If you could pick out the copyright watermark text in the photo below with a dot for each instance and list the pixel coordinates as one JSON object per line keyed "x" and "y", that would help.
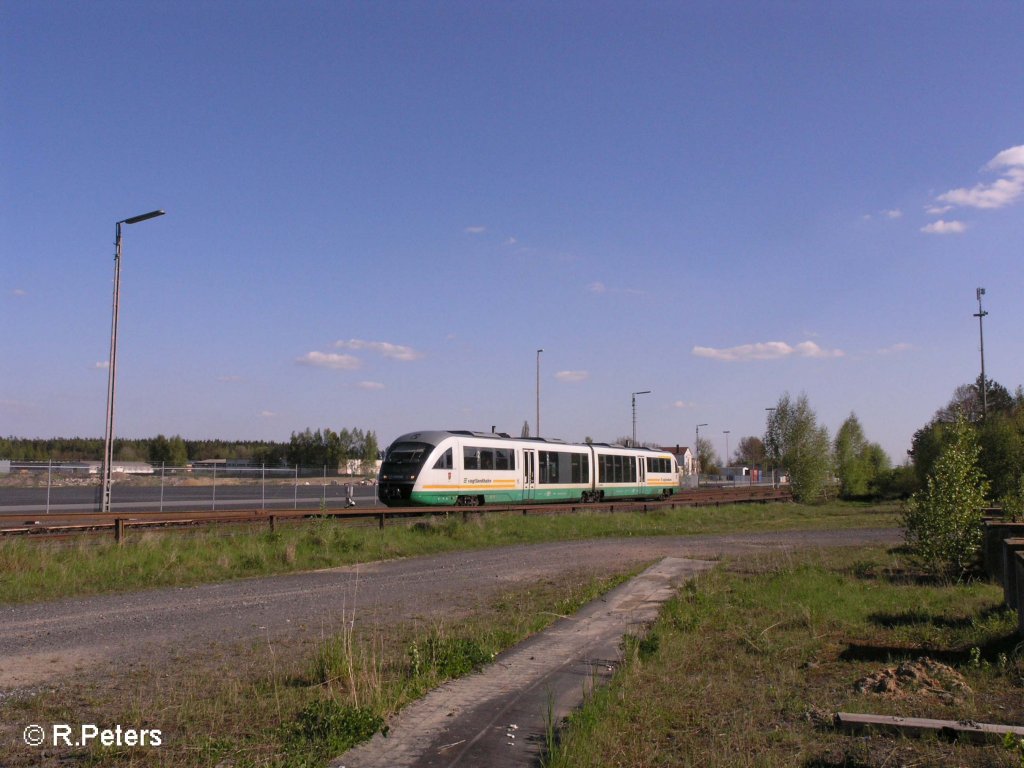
{"x": 87, "y": 734}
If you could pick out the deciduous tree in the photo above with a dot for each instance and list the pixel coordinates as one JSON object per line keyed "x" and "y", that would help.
{"x": 943, "y": 520}
{"x": 750, "y": 452}
{"x": 857, "y": 462}
{"x": 796, "y": 443}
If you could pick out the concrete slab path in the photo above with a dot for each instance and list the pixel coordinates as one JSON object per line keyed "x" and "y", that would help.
{"x": 499, "y": 716}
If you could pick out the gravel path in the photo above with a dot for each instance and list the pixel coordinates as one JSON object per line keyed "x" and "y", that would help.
{"x": 499, "y": 716}
{"x": 45, "y": 642}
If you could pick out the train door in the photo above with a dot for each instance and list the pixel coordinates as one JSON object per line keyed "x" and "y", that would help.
{"x": 641, "y": 474}
{"x": 529, "y": 474}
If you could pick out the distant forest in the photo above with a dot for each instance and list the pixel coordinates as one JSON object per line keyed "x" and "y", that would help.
{"x": 309, "y": 448}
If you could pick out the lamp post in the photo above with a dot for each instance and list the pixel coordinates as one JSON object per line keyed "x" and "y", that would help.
{"x": 108, "y": 441}
{"x": 645, "y": 392}
{"x": 726, "y": 433}
{"x": 981, "y": 335}
{"x": 696, "y": 452}
{"x": 538, "y": 391}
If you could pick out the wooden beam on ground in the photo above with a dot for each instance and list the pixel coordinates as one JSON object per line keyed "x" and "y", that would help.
{"x": 978, "y": 733}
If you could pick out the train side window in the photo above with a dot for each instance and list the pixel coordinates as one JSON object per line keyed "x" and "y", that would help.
{"x": 470, "y": 458}
{"x": 663, "y": 466}
{"x": 504, "y": 458}
{"x": 486, "y": 459}
{"x": 444, "y": 461}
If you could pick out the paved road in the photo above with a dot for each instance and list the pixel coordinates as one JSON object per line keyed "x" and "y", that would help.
{"x": 76, "y": 499}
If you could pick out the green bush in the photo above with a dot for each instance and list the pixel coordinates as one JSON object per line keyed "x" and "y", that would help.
{"x": 943, "y": 520}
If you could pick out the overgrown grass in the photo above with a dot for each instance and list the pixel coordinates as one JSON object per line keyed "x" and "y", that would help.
{"x": 268, "y": 706}
{"x": 41, "y": 570}
{"x": 746, "y": 666}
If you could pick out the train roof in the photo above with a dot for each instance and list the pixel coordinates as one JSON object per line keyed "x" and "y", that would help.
{"x": 437, "y": 435}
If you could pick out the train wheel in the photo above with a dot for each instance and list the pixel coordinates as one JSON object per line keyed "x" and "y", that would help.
{"x": 468, "y": 501}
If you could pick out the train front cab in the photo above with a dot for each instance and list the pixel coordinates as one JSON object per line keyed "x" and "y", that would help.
{"x": 403, "y": 464}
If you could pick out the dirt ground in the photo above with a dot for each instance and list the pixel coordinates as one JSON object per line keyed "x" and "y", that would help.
{"x": 75, "y": 644}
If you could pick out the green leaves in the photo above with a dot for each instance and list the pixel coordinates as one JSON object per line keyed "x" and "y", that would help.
{"x": 796, "y": 443}
{"x": 943, "y": 521}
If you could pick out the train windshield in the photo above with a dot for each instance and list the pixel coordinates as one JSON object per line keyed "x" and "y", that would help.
{"x": 406, "y": 455}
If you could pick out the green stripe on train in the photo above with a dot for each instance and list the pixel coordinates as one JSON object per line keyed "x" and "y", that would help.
{"x": 515, "y": 496}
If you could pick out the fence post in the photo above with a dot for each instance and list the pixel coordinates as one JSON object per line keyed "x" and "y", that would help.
{"x": 263, "y": 489}
{"x": 273, "y": 523}
{"x": 215, "y": 487}
{"x": 163, "y": 469}
{"x": 380, "y": 521}
{"x": 49, "y": 473}
{"x": 296, "y": 487}
{"x": 119, "y": 530}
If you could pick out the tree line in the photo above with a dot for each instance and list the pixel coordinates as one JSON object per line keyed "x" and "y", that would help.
{"x": 997, "y": 429}
{"x": 795, "y": 444}
{"x": 322, "y": 447}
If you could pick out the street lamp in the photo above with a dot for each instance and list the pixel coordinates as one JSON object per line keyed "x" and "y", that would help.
{"x": 645, "y": 392}
{"x": 696, "y": 452}
{"x": 538, "y": 391}
{"x": 771, "y": 412}
{"x": 108, "y": 441}
{"x": 726, "y": 433}
{"x": 981, "y": 335}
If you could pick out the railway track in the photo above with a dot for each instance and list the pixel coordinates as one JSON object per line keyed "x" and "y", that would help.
{"x": 119, "y": 523}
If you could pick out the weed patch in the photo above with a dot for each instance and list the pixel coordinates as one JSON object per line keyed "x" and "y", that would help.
{"x": 749, "y": 663}
{"x": 47, "y": 570}
{"x": 324, "y": 728}
{"x": 266, "y": 706}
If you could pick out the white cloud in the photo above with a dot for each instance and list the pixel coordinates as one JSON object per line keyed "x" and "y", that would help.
{"x": 370, "y": 385}
{"x": 767, "y": 350}
{"x": 597, "y": 287}
{"x": 942, "y": 227}
{"x": 19, "y": 292}
{"x": 683, "y": 404}
{"x": 475, "y": 230}
{"x": 894, "y": 349}
{"x": 572, "y": 376}
{"x": 330, "y": 360}
{"x": 998, "y": 194}
{"x": 394, "y": 351}
{"x": 1008, "y": 158}
{"x": 267, "y": 414}
{"x": 894, "y": 213}
{"x": 810, "y": 349}
{"x": 102, "y": 365}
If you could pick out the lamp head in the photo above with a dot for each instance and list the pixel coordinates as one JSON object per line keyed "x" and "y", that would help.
{"x": 142, "y": 217}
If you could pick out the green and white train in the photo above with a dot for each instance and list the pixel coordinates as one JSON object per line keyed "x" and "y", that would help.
{"x": 471, "y": 468}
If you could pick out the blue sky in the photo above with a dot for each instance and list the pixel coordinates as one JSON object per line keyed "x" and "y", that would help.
{"x": 378, "y": 212}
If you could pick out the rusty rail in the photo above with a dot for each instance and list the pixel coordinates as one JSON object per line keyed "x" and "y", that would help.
{"x": 27, "y": 525}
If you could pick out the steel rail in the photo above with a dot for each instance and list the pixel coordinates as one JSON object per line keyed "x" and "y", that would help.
{"x": 24, "y": 525}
